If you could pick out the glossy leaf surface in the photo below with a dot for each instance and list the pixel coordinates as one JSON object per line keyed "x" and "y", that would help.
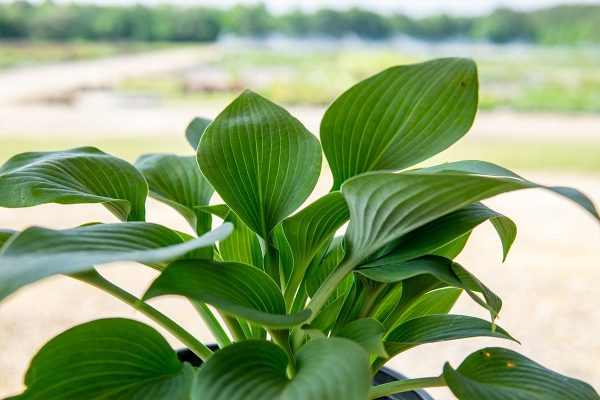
{"x": 331, "y": 368}
{"x": 399, "y": 117}
{"x": 261, "y": 160}
{"x": 82, "y": 175}
{"x": 238, "y": 289}
{"x": 117, "y": 359}
{"x": 37, "y": 253}
{"x": 498, "y": 374}
{"x": 177, "y": 182}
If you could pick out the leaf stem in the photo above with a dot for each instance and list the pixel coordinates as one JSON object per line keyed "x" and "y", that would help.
{"x": 95, "y": 279}
{"x": 212, "y": 324}
{"x": 321, "y": 296}
{"x": 271, "y": 263}
{"x": 234, "y": 327}
{"x": 405, "y": 385}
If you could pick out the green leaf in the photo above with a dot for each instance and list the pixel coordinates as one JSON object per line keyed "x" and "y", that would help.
{"x": 476, "y": 167}
{"x": 195, "y": 129}
{"x": 310, "y": 229}
{"x": 367, "y": 332}
{"x": 238, "y": 289}
{"x": 388, "y": 269}
{"x": 440, "y": 232}
{"x": 399, "y": 117}
{"x": 439, "y": 301}
{"x": 111, "y": 358}
{"x": 82, "y": 175}
{"x": 37, "y": 253}
{"x": 452, "y": 249}
{"x": 319, "y": 271}
{"x": 385, "y": 206}
{"x": 332, "y": 368}
{"x": 261, "y": 161}
{"x": 177, "y": 182}
{"x": 437, "y": 328}
{"x": 242, "y": 245}
{"x": 497, "y": 374}
{"x": 5, "y": 234}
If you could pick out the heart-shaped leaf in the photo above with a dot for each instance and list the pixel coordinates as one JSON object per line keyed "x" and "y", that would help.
{"x": 195, "y": 130}
{"x": 399, "y": 117}
{"x": 238, "y": 289}
{"x": 332, "y": 368}
{"x": 261, "y": 160}
{"x": 82, "y": 175}
{"x": 111, "y": 358}
{"x": 177, "y": 182}
{"x": 38, "y": 253}
{"x": 498, "y": 374}
{"x": 367, "y": 332}
{"x": 437, "y": 328}
{"x": 308, "y": 230}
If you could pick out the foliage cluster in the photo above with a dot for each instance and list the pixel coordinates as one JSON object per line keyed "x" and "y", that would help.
{"x": 312, "y": 308}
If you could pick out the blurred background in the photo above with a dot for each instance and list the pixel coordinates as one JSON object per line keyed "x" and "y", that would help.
{"x": 127, "y": 77}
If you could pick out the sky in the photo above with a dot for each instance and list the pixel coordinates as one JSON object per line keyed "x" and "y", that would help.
{"x": 415, "y": 8}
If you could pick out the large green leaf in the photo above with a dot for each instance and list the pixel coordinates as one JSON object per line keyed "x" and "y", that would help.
{"x": 38, "y": 253}
{"x": 385, "y": 206}
{"x": 399, "y": 117}
{"x": 177, "y": 181}
{"x": 82, "y": 175}
{"x": 437, "y": 328}
{"x": 195, "y": 130}
{"x": 308, "y": 230}
{"x": 238, "y": 289}
{"x": 476, "y": 167}
{"x": 117, "y": 359}
{"x": 388, "y": 269}
{"x": 367, "y": 332}
{"x": 440, "y": 232}
{"x": 261, "y": 161}
{"x": 499, "y": 374}
{"x": 331, "y": 368}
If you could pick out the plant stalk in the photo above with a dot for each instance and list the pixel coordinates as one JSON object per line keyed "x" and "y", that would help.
{"x": 234, "y": 327}
{"x": 95, "y": 279}
{"x": 271, "y": 263}
{"x": 405, "y": 386}
{"x": 212, "y": 324}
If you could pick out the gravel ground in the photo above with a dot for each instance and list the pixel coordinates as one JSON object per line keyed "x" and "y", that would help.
{"x": 549, "y": 285}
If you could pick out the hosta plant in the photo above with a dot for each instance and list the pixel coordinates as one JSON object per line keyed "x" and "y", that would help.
{"x": 306, "y": 301}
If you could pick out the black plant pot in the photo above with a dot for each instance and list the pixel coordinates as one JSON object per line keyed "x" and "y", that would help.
{"x": 384, "y": 375}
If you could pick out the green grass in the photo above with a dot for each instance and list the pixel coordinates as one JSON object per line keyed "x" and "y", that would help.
{"x": 541, "y": 79}
{"x": 17, "y": 53}
{"x": 514, "y": 154}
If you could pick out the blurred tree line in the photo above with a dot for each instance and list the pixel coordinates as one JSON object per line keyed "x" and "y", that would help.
{"x": 569, "y": 24}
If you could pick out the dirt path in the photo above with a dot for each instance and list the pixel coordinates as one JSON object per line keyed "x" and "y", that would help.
{"x": 21, "y": 84}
